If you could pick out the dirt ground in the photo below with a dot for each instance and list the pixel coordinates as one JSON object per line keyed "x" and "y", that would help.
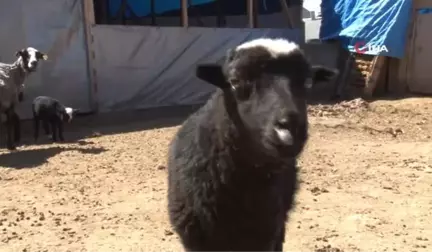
{"x": 366, "y": 186}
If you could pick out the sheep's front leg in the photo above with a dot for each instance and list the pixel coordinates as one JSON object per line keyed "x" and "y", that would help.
{"x": 9, "y": 128}
{"x": 36, "y": 127}
{"x": 17, "y": 127}
{"x": 45, "y": 124}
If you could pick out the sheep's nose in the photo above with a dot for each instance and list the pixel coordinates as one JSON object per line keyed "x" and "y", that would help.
{"x": 285, "y": 128}
{"x": 287, "y": 121}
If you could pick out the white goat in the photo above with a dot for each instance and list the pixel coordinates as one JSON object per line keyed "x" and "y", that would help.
{"x": 12, "y": 77}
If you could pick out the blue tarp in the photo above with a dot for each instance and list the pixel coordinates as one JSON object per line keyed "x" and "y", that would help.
{"x": 141, "y": 8}
{"x": 374, "y": 27}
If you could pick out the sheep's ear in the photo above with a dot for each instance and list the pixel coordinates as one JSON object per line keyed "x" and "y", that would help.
{"x": 230, "y": 54}
{"x": 42, "y": 55}
{"x": 213, "y": 74}
{"x": 320, "y": 74}
{"x": 19, "y": 53}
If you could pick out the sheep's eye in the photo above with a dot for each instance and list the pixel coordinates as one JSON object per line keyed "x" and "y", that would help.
{"x": 242, "y": 90}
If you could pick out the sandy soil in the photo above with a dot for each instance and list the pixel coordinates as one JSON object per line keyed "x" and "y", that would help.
{"x": 366, "y": 186}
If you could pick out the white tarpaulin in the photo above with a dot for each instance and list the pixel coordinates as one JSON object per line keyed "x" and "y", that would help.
{"x": 143, "y": 67}
{"x": 55, "y": 27}
{"x": 136, "y": 66}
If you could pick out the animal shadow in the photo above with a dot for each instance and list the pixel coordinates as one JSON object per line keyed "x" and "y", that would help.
{"x": 24, "y": 159}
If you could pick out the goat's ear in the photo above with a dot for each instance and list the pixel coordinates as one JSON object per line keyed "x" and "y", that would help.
{"x": 322, "y": 73}
{"x": 213, "y": 74}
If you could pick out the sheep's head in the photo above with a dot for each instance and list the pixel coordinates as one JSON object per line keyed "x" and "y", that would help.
{"x": 68, "y": 114}
{"x": 267, "y": 80}
{"x": 30, "y": 58}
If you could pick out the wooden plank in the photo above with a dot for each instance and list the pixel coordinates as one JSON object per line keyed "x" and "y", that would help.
{"x": 422, "y": 4}
{"x": 383, "y": 78}
{"x": 184, "y": 13}
{"x": 374, "y": 76}
{"x": 286, "y": 11}
{"x": 89, "y": 21}
{"x": 344, "y": 78}
{"x": 153, "y": 12}
{"x": 395, "y": 85}
{"x": 250, "y": 13}
{"x": 255, "y": 13}
{"x": 401, "y": 85}
{"x": 406, "y": 66}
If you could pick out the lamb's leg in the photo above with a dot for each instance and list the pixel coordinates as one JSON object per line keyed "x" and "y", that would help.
{"x": 45, "y": 125}
{"x": 54, "y": 130}
{"x": 60, "y": 129}
{"x": 36, "y": 127}
{"x": 17, "y": 128}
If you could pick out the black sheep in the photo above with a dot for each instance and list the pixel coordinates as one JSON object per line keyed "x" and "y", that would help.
{"x": 232, "y": 165}
{"x": 53, "y": 113}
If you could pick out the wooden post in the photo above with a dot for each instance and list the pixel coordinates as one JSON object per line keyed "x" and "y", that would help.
{"x": 285, "y": 9}
{"x": 153, "y": 12}
{"x": 220, "y": 19}
{"x": 255, "y": 13}
{"x": 374, "y": 75}
{"x": 89, "y": 21}
{"x": 251, "y": 12}
{"x": 184, "y": 13}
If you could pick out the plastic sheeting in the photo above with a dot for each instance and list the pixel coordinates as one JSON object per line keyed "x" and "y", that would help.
{"x": 142, "y": 8}
{"x": 374, "y": 27}
{"x": 146, "y": 67}
{"x": 56, "y": 28}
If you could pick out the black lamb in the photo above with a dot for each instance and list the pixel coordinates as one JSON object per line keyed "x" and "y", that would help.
{"x": 232, "y": 165}
{"x": 53, "y": 113}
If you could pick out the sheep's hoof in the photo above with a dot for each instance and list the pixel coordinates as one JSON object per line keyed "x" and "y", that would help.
{"x": 9, "y": 147}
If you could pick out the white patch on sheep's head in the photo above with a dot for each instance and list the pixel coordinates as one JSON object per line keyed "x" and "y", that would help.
{"x": 30, "y": 58}
{"x": 266, "y": 82}
{"x": 276, "y": 47}
{"x": 69, "y": 112}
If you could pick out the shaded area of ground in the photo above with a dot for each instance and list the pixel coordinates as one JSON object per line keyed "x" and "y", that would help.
{"x": 366, "y": 179}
